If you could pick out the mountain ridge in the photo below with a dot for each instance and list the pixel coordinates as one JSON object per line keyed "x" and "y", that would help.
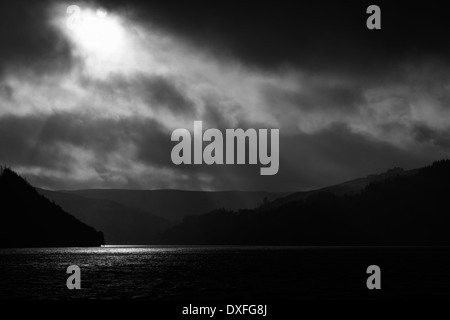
{"x": 346, "y": 187}
{"x": 397, "y": 208}
{"x": 29, "y": 219}
{"x": 138, "y": 216}
{"x": 173, "y": 204}
{"x": 143, "y": 216}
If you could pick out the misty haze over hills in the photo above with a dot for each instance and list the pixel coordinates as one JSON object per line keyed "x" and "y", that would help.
{"x": 346, "y": 188}
{"x": 397, "y": 208}
{"x": 394, "y": 208}
{"x": 138, "y": 216}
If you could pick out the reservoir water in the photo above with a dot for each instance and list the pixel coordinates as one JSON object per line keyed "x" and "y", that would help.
{"x": 215, "y": 273}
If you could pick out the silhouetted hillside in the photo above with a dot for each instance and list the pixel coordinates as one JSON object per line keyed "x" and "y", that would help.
{"x": 28, "y": 219}
{"x": 400, "y": 209}
{"x": 346, "y": 188}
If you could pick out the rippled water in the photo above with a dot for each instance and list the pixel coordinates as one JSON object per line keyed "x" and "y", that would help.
{"x": 224, "y": 273}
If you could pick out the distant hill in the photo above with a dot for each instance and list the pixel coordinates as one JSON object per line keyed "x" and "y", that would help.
{"x": 173, "y": 205}
{"x": 345, "y": 188}
{"x": 29, "y": 219}
{"x": 138, "y": 216}
{"x": 396, "y": 208}
{"x": 121, "y": 224}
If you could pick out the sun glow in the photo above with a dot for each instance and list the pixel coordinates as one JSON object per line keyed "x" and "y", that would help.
{"x": 96, "y": 32}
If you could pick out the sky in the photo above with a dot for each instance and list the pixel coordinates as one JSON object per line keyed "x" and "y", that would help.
{"x": 93, "y": 104}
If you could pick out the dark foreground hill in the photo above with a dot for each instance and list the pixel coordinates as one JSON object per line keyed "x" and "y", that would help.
{"x": 400, "y": 209}
{"x": 28, "y": 219}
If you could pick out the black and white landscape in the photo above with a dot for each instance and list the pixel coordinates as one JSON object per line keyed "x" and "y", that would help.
{"x": 396, "y": 208}
{"x": 97, "y": 97}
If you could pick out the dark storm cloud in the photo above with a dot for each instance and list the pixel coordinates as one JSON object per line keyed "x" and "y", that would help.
{"x": 321, "y": 61}
{"x": 78, "y": 130}
{"x": 315, "y": 36}
{"x": 20, "y": 143}
{"x": 344, "y": 98}
{"x": 312, "y": 35}
{"x": 153, "y": 144}
{"x": 28, "y": 40}
{"x": 306, "y": 161}
{"x": 218, "y": 116}
{"x": 27, "y": 140}
{"x": 6, "y": 92}
{"x": 337, "y": 154}
{"x": 426, "y": 134}
{"x": 161, "y": 91}
{"x": 157, "y": 92}
{"x": 309, "y": 161}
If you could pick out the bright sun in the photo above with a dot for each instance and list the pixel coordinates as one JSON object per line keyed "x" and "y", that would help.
{"x": 96, "y": 32}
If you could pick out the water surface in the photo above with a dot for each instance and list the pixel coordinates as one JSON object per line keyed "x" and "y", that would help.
{"x": 209, "y": 273}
